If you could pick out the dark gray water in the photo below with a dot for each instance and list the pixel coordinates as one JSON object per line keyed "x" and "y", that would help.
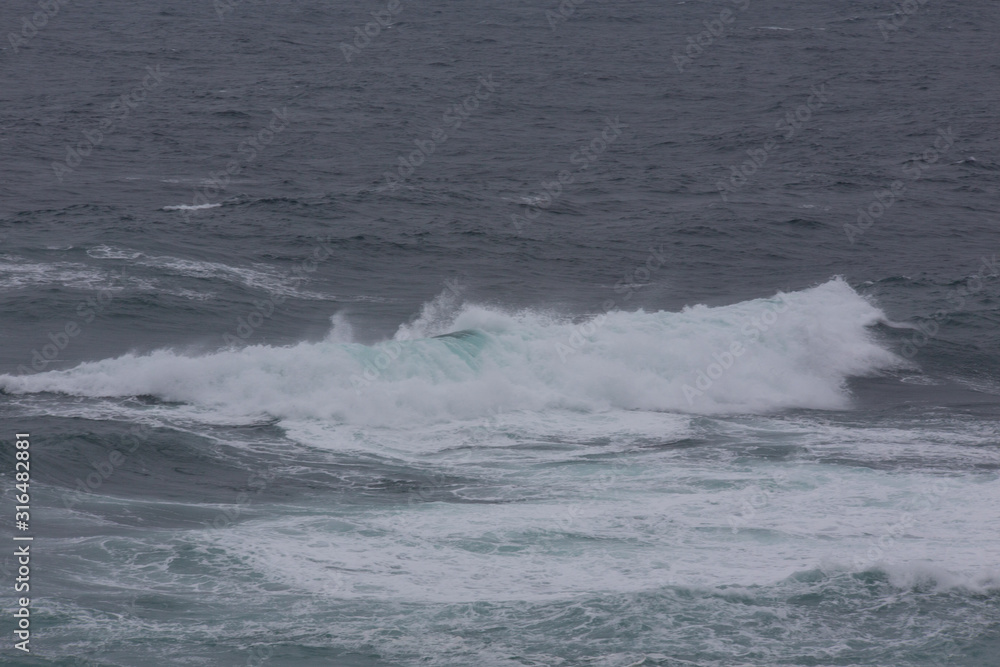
{"x": 722, "y": 276}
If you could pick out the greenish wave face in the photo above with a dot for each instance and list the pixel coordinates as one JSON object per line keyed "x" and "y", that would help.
{"x": 795, "y": 350}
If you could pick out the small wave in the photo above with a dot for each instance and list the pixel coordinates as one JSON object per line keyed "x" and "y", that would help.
{"x": 260, "y": 277}
{"x": 107, "y": 252}
{"x": 17, "y": 273}
{"x": 929, "y": 576}
{"x": 189, "y": 207}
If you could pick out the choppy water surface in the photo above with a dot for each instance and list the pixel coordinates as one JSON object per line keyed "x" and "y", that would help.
{"x": 504, "y": 334}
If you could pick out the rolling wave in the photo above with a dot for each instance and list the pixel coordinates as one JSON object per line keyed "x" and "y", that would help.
{"x": 794, "y": 350}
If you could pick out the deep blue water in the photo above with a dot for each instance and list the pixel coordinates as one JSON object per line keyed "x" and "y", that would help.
{"x": 503, "y": 333}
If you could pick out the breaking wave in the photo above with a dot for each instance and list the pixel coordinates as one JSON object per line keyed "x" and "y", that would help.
{"x": 793, "y": 350}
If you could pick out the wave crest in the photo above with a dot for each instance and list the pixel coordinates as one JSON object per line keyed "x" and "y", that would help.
{"x": 794, "y": 350}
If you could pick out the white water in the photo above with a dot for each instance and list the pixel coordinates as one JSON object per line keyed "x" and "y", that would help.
{"x": 557, "y": 463}
{"x": 793, "y": 350}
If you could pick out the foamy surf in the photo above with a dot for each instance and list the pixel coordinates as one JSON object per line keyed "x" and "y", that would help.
{"x": 189, "y": 207}
{"x": 258, "y": 277}
{"x": 793, "y": 350}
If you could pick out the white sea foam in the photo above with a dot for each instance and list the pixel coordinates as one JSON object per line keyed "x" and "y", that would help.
{"x": 109, "y": 252}
{"x": 653, "y": 526}
{"x": 189, "y": 207}
{"x": 17, "y": 273}
{"x": 260, "y": 276}
{"x": 798, "y": 349}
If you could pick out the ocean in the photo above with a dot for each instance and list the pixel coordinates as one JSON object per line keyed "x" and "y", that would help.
{"x": 580, "y": 333}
